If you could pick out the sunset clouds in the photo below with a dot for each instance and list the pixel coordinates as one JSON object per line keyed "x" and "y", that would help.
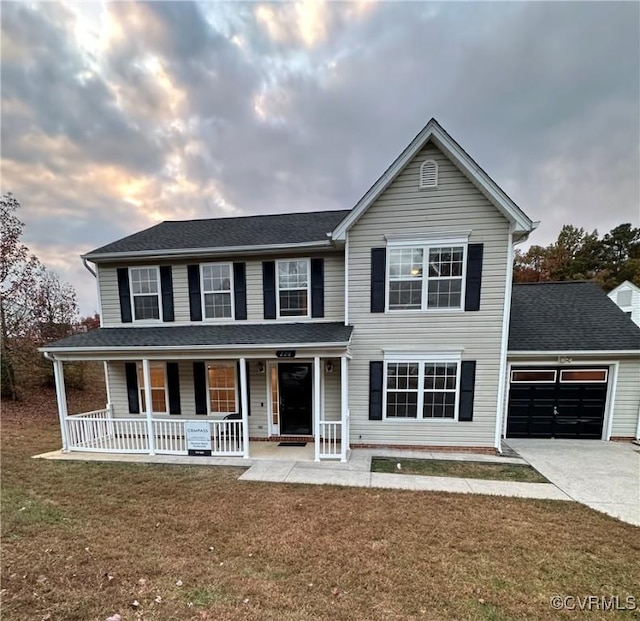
{"x": 116, "y": 116}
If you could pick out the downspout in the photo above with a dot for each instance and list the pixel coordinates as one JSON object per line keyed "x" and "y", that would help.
{"x": 638, "y": 427}
{"x": 89, "y": 268}
{"x": 506, "y": 315}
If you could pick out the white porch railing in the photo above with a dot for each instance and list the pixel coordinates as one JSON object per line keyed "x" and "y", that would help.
{"x": 334, "y": 439}
{"x": 99, "y": 431}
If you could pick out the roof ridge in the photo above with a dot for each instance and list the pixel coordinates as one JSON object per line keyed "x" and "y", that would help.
{"x": 555, "y": 282}
{"x": 258, "y": 215}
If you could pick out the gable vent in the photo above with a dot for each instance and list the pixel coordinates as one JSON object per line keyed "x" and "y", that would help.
{"x": 429, "y": 174}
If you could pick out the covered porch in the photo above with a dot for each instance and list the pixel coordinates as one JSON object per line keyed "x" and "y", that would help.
{"x": 205, "y": 400}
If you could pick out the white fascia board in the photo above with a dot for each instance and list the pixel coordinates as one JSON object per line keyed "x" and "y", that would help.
{"x": 196, "y": 253}
{"x": 442, "y": 140}
{"x": 593, "y": 352}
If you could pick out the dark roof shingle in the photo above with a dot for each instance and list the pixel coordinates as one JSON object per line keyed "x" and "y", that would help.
{"x": 568, "y": 316}
{"x": 214, "y": 336}
{"x": 267, "y": 230}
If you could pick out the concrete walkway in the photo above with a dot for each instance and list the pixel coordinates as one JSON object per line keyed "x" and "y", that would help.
{"x": 602, "y": 475}
{"x": 356, "y": 472}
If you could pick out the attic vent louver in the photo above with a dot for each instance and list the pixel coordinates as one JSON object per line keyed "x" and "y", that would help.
{"x": 429, "y": 174}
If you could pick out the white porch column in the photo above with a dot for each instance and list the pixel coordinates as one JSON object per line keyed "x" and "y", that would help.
{"x": 316, "y": 406}
{"x": 245, "y": 407}
{"x": 61, "y": 397}
{"x": 146, "y": 373}
{"x": 344, "y": 407}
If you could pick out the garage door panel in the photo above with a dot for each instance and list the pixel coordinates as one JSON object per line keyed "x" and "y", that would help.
{"x": 559, "y": 409}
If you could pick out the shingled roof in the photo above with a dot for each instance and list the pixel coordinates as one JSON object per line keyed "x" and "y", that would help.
{"x": 265, "y": 230}
{"x": 230, "y": 336}
{"x": 568, "y": 316}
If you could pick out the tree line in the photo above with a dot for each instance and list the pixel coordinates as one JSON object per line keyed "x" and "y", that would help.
{"x": 36, "y": 307}
{"x": 580, "y": 255}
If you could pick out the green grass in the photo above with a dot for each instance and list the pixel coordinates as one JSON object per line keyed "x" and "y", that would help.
{"x": 459, "y": 469}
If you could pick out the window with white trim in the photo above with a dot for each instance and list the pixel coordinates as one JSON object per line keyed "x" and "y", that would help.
{"x": 222, "y": 387}
{"x": 293, "y": 288}
{"x": 429, "y": 174}
{"x": 145, "y": 292}
{"x": 426, "y": 277}
{"x": 157, "y": 371}
{"x": 217, "y": 289}
{"x": 422, "y": 389}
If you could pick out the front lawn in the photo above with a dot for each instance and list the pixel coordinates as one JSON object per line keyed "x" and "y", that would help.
{"x": 82, "y": 541}
{"x": 460, "y": 469}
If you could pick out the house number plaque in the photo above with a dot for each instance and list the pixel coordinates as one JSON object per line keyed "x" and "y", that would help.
{"x": 286, "y": 353}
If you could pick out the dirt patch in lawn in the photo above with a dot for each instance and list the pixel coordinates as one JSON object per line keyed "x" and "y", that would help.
{"x": 459, "y": 469}
{"x": 82, "y": 541}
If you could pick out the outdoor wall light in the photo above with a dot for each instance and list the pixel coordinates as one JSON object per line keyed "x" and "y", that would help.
{"x": 328, "y": 367}
{"x": 260, "y": 367}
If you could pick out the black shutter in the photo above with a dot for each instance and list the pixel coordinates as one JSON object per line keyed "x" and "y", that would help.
{"x": 378, "y": 275}
{"x": 195, "y": 304}
{"x": 474, "y": 277}
{"x": 241, "y": 387}
{"x": 317, "y": 287}
{"x": 240, "y": 290}
{"x": 375, "y": 389}
{"x": 166, "y": 287}
{"x": 131, "y": 373}
{"x": 173, "y": 387}
{"x": 200, "y": 387}
{"x": 123, "y": 293}
{"x": 269, "y": 288}
{"x": 467, "y": 387}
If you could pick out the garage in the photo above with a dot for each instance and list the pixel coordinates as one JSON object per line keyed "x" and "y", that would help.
{"x": 557, "y": 402}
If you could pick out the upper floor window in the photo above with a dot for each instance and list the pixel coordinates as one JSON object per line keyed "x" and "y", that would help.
{"x": 158, "y": 387}
{"x": 293, "y": 288}
{"x": 145, "y": 292}
{"x": 429, "y": 174}
{"x": 426, "y": 277}
{"x": 217, "y": 287}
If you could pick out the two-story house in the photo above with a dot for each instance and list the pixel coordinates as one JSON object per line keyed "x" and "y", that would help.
{"x": 383, "y": 325}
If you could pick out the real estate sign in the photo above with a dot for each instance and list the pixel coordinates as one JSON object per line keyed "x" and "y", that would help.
{"x": 198, "y": 437}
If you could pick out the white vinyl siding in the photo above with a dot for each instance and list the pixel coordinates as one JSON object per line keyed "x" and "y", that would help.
{"x": 455, "y": 206}
{"x": 333, "y": 290}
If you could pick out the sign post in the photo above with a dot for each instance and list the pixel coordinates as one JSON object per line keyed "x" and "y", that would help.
{"x": 198, "y": 437}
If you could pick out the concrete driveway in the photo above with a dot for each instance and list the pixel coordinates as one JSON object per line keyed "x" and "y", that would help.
{"x": 602, "y": 475}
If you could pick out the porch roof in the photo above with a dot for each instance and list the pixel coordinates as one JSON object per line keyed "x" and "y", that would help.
{"x": 231, "y": 336}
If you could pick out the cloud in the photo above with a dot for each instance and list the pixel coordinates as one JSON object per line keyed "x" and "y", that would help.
{"x": 118, "y": 115}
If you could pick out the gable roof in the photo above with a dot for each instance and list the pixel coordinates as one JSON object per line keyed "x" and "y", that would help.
{"x": 627, "y": 284}
{"x": 193, "y": 237}
{"x": 434, "y": 132}
{"x": 228, "y": 336}
{"x": 568, "y": 316}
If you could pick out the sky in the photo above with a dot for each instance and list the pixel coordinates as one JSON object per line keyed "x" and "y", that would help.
{"x": 116, "y": 116}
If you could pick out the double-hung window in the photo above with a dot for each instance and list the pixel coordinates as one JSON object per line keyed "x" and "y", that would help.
{"x": 222, "y": 387}
{"x": 422, "y": 389}
{"x": 145, "y": 292}
{"x": 158, "y": 387}
{"x": 426, "y": 277}
{"x": 293, "y": 288}
{"x": 217, "y": 290}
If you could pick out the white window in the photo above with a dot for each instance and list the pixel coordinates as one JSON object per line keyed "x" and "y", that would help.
{"x": 217, "y": 290}
{"x": 145, "y": 292}
{"x": 293, "y": 288}
{"x": 157, "y": 371}
{"x": 222, "y": 386}
{"x": 426, "y": 277}
{"x": 429, "y": 174}
{"x": 422, "y": 389}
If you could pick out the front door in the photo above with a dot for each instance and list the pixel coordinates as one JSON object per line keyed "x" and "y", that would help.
{"x": 295, "y": 394}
